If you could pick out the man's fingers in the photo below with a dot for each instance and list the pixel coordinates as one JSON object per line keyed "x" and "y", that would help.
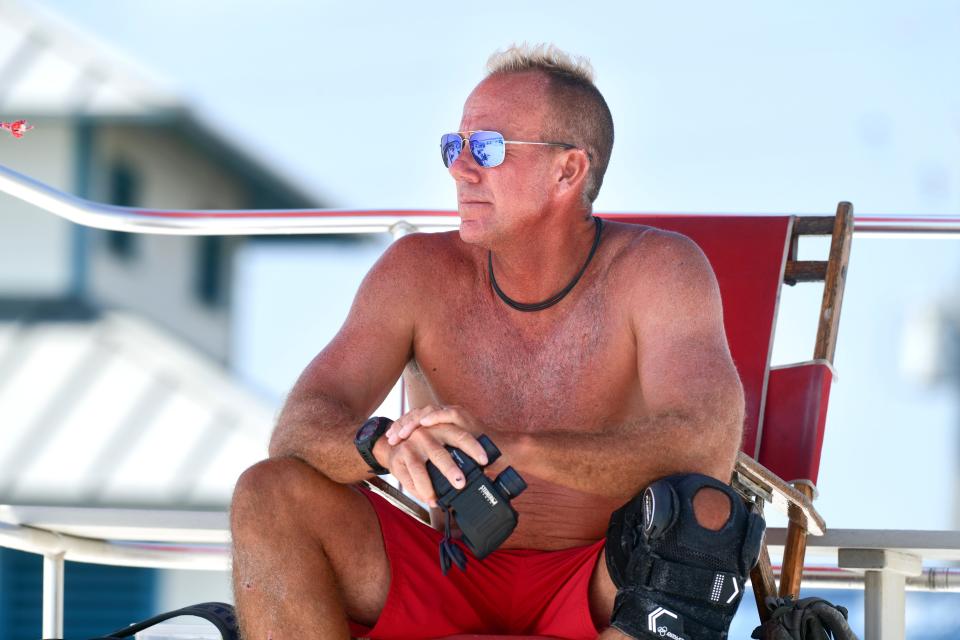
{"x": 394, "y": 429}
{"x": 467, "y": 443}
{"x": 451, "y": 415}
{"x": 414, "y": 479}
{"x": 453, "y": 435}
{"x": 463, "y": 428}
{"x": 406, "y": 424}
{"x": 416, "y": 447}
{"x": 441, "y": 458}
{"x": 422, "y": 487}
{"x": 427, "y": 416}
{"x": 399, "y": 471}
{"x": 414, "y": 420}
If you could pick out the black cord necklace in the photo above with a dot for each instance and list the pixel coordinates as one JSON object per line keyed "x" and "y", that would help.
{"x": 555, "y": 298}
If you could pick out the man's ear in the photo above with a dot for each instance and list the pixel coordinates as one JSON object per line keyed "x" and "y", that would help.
{"x": 574, "y": 166}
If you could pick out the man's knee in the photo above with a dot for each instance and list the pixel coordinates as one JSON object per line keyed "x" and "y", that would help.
{"x": 281, "y": 504}
{"x": 674, "y": 571}
{"x": 712, "y": 508}
{"x": 280, "y": 488}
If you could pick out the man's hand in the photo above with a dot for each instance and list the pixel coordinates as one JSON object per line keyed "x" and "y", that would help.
{"x": 410, "y": 447}
{"x": 431, "y": 416}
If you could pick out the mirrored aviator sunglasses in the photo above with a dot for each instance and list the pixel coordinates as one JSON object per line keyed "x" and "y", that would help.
{"x": 486, "y": 147}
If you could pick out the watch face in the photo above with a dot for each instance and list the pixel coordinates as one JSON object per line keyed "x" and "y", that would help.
{"x": 368, "y": 429}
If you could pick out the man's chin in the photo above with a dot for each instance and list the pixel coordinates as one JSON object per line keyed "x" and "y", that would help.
{"x": 471, "y": 231}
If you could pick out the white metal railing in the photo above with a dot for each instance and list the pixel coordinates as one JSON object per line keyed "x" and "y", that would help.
{"x": 199, "y": 540}
{"x": 317, "y": 221}
{"x": 217, "y": 222}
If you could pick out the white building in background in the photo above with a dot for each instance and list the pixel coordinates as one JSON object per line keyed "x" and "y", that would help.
{"x": 109, "y": 131}
{"x": 112, "y": 345}
{"x": 114, "y": 348}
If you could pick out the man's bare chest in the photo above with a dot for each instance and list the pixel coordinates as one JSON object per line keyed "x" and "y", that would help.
{"x": 575, "y": 368}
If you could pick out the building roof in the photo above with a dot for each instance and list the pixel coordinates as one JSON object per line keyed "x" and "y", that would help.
{"x": 50, "y": 68}
{"x": 104, "y": 409}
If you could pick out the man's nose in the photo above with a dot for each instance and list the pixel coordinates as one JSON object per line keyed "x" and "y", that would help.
{"x": 465, "y": 168}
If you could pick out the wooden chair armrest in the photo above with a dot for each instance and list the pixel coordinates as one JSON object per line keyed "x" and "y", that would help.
{"x": 752, "y": 480}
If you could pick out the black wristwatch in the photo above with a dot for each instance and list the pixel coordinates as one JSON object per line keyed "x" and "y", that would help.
{"x": 367, "y": 436}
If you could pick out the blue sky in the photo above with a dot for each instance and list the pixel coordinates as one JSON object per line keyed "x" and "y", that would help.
{"x": 719, "y": 107}
{"x": 751, "y": 105}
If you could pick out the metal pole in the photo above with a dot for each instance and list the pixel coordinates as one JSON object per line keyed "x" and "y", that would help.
{"x": 318, "y": 221}
{"x": 884, "y": 594}
{"x": 885, "y": 604}
{"x": 53, "y": 577}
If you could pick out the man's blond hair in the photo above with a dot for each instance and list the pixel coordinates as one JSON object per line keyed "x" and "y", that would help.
{"x": 580, "y": 115}
{"x": 540, "y": 57}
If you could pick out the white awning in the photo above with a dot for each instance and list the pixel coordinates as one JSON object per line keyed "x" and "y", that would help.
{"x": 112, "y": 411}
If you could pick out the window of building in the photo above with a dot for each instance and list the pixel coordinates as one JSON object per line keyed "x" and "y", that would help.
{"x": 122, "y": 189}
{"x": 208, "y": 282}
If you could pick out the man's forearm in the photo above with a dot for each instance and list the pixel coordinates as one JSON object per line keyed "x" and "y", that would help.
{"x": 320, "y": 430}
{"x": 623, "y": 461}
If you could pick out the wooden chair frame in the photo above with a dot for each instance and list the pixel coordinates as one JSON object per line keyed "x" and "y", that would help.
{"x": 750, "y": 478}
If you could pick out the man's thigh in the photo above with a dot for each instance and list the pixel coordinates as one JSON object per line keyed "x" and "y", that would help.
{"x": 355, "y": 548}
{"x": 602, "y": 593}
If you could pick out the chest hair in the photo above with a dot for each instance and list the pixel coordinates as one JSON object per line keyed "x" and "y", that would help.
{"x": 535, "y": 369}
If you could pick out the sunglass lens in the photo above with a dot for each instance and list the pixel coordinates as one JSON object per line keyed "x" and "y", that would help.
{"x": 450, "y": 147}
{"x": 487, "y": 148}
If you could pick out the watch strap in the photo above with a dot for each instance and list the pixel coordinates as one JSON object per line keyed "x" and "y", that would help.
{"x": 365, "y": 446}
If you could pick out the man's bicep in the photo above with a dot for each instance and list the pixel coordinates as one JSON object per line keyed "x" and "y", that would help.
{"x": 683, "y": 359}
{"x": 367, "y": 355}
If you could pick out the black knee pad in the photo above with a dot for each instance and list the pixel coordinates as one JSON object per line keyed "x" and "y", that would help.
{"x": 675, "y": 578}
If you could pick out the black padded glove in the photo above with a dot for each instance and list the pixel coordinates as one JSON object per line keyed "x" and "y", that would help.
{"x": 676, "y": 579}
{"x": 807, "y": 619}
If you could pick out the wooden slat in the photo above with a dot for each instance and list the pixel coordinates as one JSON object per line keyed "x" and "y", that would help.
{"x": 805, "y": 271}
{"x": 836, "y": 280}
{"x": 802, "y": 271}
{"x": 794, "y": 552}
{"x": 750, "y": 479}
{"x": 761, "y": 577}
{"x": 764, "y": 585}
{"x": 813, "y": 226}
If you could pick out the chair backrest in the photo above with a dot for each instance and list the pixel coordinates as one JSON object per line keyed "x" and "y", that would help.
{"x": 748, "y": 255}
{"x": 794, "y": 420}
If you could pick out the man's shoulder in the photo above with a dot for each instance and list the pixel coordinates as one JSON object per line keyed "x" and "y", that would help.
{"x": 423, "y": 240}
{"x": 651, "y": 262}
{"x": 419, "y": 256}
{"x": 412, "y": 271}
{"x": 423, "y": 248}
{"x": 653, "y": 248}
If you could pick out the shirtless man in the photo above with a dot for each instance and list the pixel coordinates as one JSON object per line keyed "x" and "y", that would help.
{"x": 625, "y": 380}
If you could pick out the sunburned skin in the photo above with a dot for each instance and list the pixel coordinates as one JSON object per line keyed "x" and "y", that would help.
{"x": 625, "y": 380}
{"x": 262, "y": 579}
{"x": 560, "y": 369}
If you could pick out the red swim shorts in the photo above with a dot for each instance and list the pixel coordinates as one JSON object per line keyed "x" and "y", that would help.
{"x": 511, "y": 591}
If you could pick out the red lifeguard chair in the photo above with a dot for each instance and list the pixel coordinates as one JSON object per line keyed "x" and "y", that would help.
{"x": 786, "y": 406}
